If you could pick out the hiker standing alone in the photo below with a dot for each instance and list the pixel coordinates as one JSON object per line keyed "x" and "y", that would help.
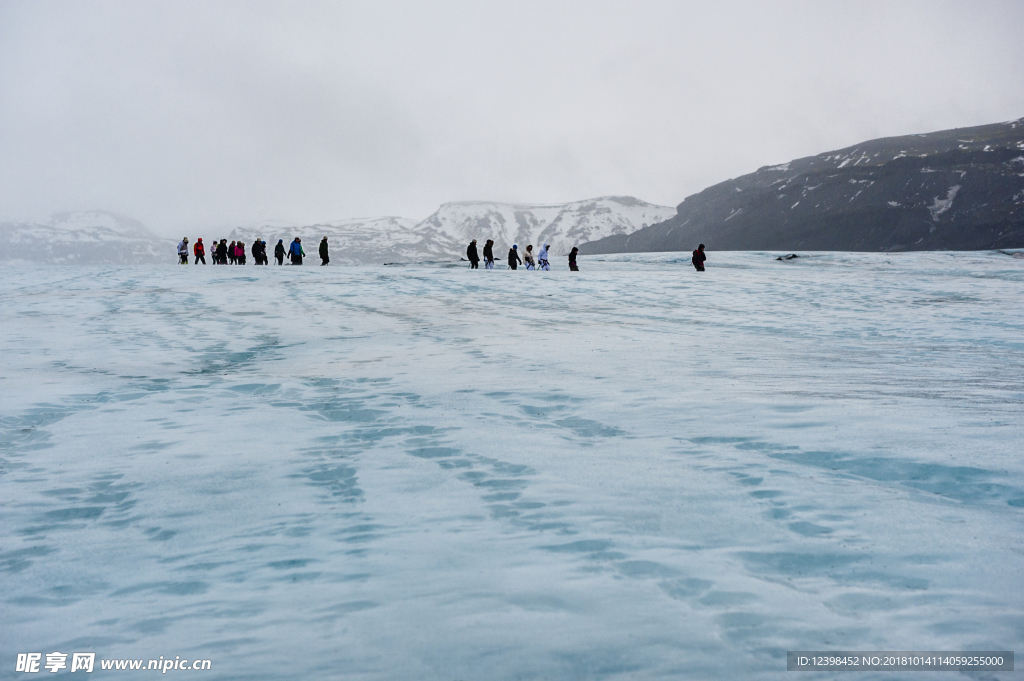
{"x": 699, "y": 258}
{"x": 324, "y": 257}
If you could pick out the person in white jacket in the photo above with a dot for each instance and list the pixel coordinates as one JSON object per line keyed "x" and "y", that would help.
{"x": 542, "y": 258}
{"x": 183, "y": 251}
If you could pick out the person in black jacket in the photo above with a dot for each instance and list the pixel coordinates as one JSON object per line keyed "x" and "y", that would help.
{"x": 279, "y": 251}
{"x": 699, "y": 258}
{"x": 513, "y": 257}
{"x": 572, "y": 260}
{"x": 489, "y": 254}
{"x": 222, "y": 252}
{"x": 324, "y": 257}
{"x": 472, "y": 256}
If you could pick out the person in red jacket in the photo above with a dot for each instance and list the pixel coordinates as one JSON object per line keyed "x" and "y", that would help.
{"x": 200, "y": 250}
{"x": 699, "y": 258}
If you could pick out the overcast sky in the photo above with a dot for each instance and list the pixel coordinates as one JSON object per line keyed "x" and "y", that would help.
{"x": 208, "y": 114}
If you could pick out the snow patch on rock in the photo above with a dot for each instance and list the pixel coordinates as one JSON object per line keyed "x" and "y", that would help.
{"x": 940, "y": 206}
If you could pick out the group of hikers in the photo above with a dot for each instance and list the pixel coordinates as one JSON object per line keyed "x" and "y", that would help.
{"x": 529, "y": 259}
{"x": 540, "y": 262}
{"x": 223, "y": 253}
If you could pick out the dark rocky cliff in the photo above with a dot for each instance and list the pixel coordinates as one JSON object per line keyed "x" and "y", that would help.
{"x": 958, "y": 189}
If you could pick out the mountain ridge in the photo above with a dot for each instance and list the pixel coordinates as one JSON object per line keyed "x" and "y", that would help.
{"x": 958, "y": 189}
{"x": 83, "y": 237}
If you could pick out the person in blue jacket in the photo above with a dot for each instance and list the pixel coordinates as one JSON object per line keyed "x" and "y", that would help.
{"x": 296, "y": 251}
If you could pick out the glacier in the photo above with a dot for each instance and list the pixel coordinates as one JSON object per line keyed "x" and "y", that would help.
{"x": 634, "y": 471}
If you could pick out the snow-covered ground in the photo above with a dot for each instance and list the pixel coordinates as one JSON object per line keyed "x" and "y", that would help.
{"x": 631, "y": 472}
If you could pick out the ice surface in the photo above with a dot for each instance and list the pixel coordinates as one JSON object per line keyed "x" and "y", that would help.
{"x": 631, "y": 472}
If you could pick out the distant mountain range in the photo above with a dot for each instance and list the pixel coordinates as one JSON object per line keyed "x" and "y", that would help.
{"x": 958, "y": 189}
{"x": 353, "y": 241}
{"x": 98, "y": 237}
{"x": 563, "y": 226}
{"x": 88, "y": 237}
{"x": 445, "y": 234}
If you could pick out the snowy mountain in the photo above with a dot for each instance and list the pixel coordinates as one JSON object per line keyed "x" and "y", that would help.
{"x": 563, "y": 226}
{"x": 957, "y": 189}
{"x": 353, "y": 241}
{"x": 445, "y": 234}
{"x": 87, "y": 237}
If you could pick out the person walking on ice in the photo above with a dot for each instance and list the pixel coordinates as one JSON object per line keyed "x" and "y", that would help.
{"x": 296, "y": 251}
{"x": 513, "y": 257}
{"x": 324, "y": 257}
{"x": 472, "y": 255}
{"x": 542, "y": 258}
{"x": 531, "y": 262}
{"x": 572, "y": 260}
{"x": 200, "y": 250}
{"x": 489, "y": 254}
{"x": 698, "y": 258}
{"x": 183, "y": 251}
{"x": 279, "y": 251}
